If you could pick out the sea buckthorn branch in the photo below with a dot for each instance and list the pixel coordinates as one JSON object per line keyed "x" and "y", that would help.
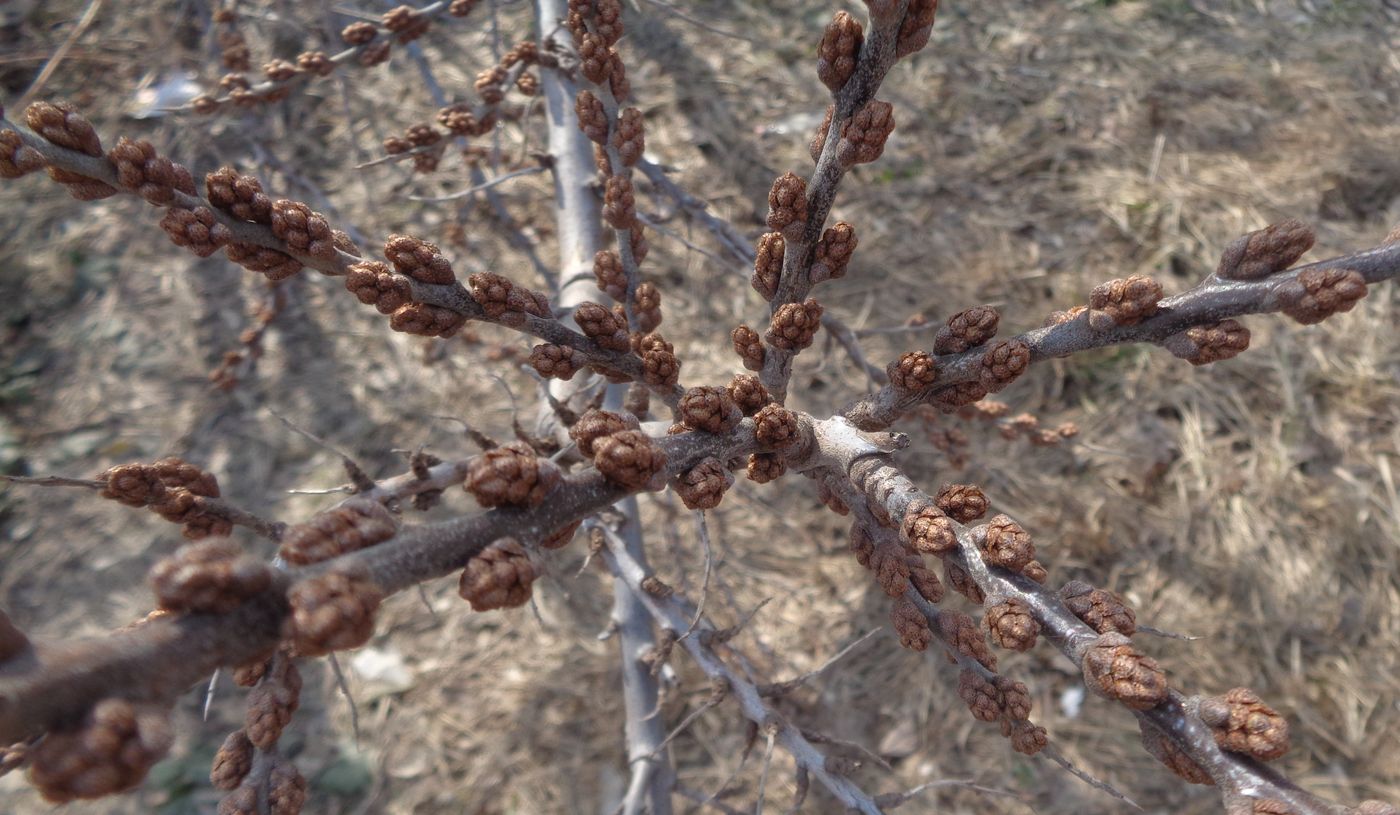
{"x": 1210, "y": 306}
{"x": 1110, "y": 663}
{"x": 674, "y": 614}
{"x": 450, "y": 296}
{"x": 44, "y": 686}
{"x": 578, "y": 222}
{"x": 369, "y": 45}
{"x": 853, "y": 64}
{"x": 618, "y": 135}
{"x": 214, "y": 507}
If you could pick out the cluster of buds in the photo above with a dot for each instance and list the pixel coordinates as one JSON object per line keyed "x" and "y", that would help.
{"x": 212, "y": 577}
{"x": 499, "y": 577}
{"x": 59, "y": 123}
{"x": 353, "y": 525}
{"x": 108, "y": 752}
{"x": 171, "y": 488}
{"x": 331, "y": 612}
{"x": 511, "y": 475}
{"x": 242, "y": 197}
{"x": 275, "y": 696}
{"x": 862, "y": 136}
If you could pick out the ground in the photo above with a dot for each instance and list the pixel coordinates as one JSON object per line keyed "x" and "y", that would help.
{"x": 1041, "y": 148}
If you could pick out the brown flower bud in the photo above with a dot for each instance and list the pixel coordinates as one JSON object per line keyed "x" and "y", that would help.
{"x": 861, "y": 544}
{"x": 239, "y": 195}
{"x": 302, "y": 229}
{"x": 709, "y": 408}
{"x": 511, "y": 475}
{"x": 1115, "y": 669}
{"x": 407, "y": 22}
{"x": 749, "y": 347}
{"x": 787, "y": 206}
{"x": 916, "y": 28}
{"x": 213, "y": 577}
{"x": 748, "y": 393}
{"x": 1101, "y": 610}
{"x": 1003, "y": 363}
{"x": 660, "y": 368}
{"x": 376, "y": 53}
{"x": 1204, "y": 344}
{"x": 838, "y": 51}
{"x": 592, "y": 118}
{"x": 1004, "y": 543}
{"x": 109, "y": 752}
{"x": 924, "y": 581}
{"x": 332, "y": 611}
{"x": 233, "y": 761}
{"x": 928, "y": 530}
{"x": 61, "y": 124}
{"x": 962, "y": 582}
{"x": 1319, "y": 293}
{"x": 373, "y": 284}
{"x": 16, "y": 158}
{"x": 356, "y": 524}
{"x": 425, "y": 320}
{"x": 914, "y": 371}
{"x": 964, "y": 637}
{"x": 646, "y": 304}
{"x": 619, "y": 202}
{"x": 595, "y": 59}
{"x": 704, "y": 485}
{"x": 630, "y": 458}
{"x": 891, "y": 568}
{"x": 602, "y": 325}
{"x": 765, "y": 467}
{"x": 554, "y": 361}
{"x": 629, "y": 136}
{"x": 775, "y": 427}
{"x": 286, "y": 793}
{"x": 910, "y": 624}
{"x": 1242, "y": 723}
{"x": 963, "y": 503}
{"x": 597, "y": 424}
{"x": 768, "y": 264}
{"x": 609, "y": 274}
{"x": 418, "y": 259}
{"x": 863, "y": 135}
{"x": 819, "y": 137}
{"x": 149, "y": 174}
{"x": 499, "y": 577}
{"x": 359, "y": 32}
{"x": 196, "y": 230}
{"x": 980, "y": 696}
{"x": 967, "y": 329}
{"x": 1010, "y": 624}
{"x": 1265, "y": 252}
{"x": 1035, "y": 571}
{"x": 794, "y": 325}
{"x": 1123, "y": 302}
{"x": 834, "y": 252}
{"x": 279, "y": 70}
{"x": 1165, "y": 750}
{"x": 1026, "y": 738}
{"x": 317, "y": 63}
{"x": 500, "y": 299}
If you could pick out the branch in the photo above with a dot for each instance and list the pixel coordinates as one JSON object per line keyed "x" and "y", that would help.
{"x": 1213, "y": 300}
{"x": 48, "y": 685}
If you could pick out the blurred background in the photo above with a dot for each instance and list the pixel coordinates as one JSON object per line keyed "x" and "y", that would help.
{"x": 1041, "y": 148}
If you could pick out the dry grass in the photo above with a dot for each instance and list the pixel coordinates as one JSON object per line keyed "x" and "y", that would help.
{"x": 1041, "y": 148}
